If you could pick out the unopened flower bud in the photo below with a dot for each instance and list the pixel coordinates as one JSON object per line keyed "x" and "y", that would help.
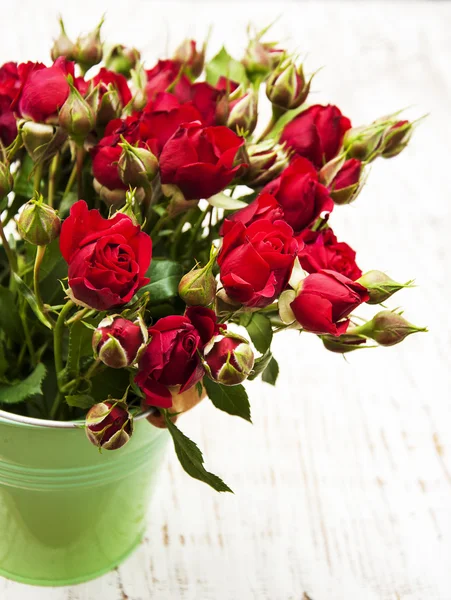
{"x": 188, "y": 54}
{"x": 110, "y": 106}
{"x": 380, "y": 286}
{"x": 362, "y": 142}
{"x": 38, "y": 223}
{"x": 198, "y": 287}
{"x": 137, "y": 166}
{"x": 115, "y": 198}
{"x": 62, "y": 46}
{"x": 88, "y": 49}
{"x": 122, "y": 59}
{"x": 117, "y": 342}
{"x": 6, "y": 180}
{"x": 260, "y": 58}
{"x": 109, "y": 425}
{"x": 396, "y": 138}
{"x": 131, "y": 207}
{"x": 243, "y": 112}
{"x": 287, "y": 87}
{"x": 76, "y": 116}
{"x": 266, "y": 161}
{"x": 228, "y": 359}
{"x": 41, "y": 140}
{"x": 346, "y": 185}
{"x": 343, "y": 343}
{"x": 387, "y": 328}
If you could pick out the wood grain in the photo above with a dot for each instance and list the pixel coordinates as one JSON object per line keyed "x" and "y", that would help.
{"x": 343, "y": 483}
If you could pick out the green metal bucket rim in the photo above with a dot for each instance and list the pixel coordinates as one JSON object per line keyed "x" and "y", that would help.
{"x": 33, "y": 422}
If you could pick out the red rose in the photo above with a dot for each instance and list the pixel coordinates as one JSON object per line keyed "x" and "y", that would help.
{"x": 162, "y": 117}
{"x": 322, "y": 251}
{"x": 117, "y": 341}
{"x": 348, "y": 175}
{"x": 163, "y": 76}
{"x": 264, "y": 206}
{"x": 300, "y": 195}
{"x": 172, "y": 356}
{"x": 106, "y": 77}
{"x": 200, "y": 160}
{"x": 104, "y": 166}
{"x": 107, "y": 258}
{"x": 325, "y": 300}
{"x": 8, "y": 127}
{"x": 9, "y": 80}
{"x": 255, "y": 262}
{"x": 317, "y": 133}
{"x": 43, "y": 89}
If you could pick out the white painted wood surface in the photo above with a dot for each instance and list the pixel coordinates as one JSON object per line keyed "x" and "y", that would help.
{"x": 343, "y": 483}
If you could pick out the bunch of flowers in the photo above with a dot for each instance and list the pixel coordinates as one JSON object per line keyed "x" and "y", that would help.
{"x": 152, "y": 244}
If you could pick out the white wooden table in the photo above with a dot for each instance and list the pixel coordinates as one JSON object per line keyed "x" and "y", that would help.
{"x": 343, "y": 483}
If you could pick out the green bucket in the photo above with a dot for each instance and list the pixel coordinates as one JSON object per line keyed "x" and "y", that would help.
{"x": 69, "y": 513}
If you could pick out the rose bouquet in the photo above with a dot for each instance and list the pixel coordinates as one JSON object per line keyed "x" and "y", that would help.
{"x": 153, "y": 244}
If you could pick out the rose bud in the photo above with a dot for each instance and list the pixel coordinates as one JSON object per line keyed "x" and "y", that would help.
{"x": 107, "y": 258}
{"x": 137, "y": 166}
{"x": 287, "y": 88}
{"x": 109, "y": 425}
{"x": 76, "y": 116}
{"x": 243, "y": 113}
{"x": 396, "y": 138}
{"x": 260, "y": 58}
{"x": 62, "y": 46}
{"x": 172, "y": 357}
{"x": 122, "y": 59}
{"x": 228, "y": 359}
{"x": 380, "y": 286}
{"x": 324, "y": 300}
{"x": 88, "y": 49}
{"x": 266, "y": 161}
{"x": 344, "y": 343}
{"x": 363, "y": 143}
{"x": 302, "y": 197}
{"x": 201, "y": 161}
{"x": 387, "y": 328}
{"x": 41, "y": 141}
{"x": 346, "y": 186}
{"x": 38, "y": 223}
{"x": 198, "y": 287}
{"x": 6, "y": 180}
{"x": 117, "y": 342}
{"x": 188, "y": 55}
{"x": 316, "y": 133}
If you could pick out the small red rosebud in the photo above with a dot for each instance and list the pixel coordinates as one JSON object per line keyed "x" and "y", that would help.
{"x": 62, "y": 46}
{"x": 38, "y": 223}
{"x": 188, "y": 54}
{"x": 266, "y": 161}
{"x": 118, "y": 342}
{"x": 344, "y": 343}
{"x": 109, "y": 425}
{"x": 287, "y": 87}
{"x": 387, "y": 328}
{"x": 380, "y": 286}
{"x": 76, "y": 116}
{"x": 41, "y": 140}
{"x": 363, "y": 143}
{"x": 198, "y": 287}
{"x": 346, "y": 184}
{"x": 228, "y": 359}
{"x": 137, "y": 167}
{"x": 260, "y": 58}
{"x": 88, "y": 49}
{"x": 243, "y": 112}
{"x": 396, "y": 138}
{"x": 122, "y": 59}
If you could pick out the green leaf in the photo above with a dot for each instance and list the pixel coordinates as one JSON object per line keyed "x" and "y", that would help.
{"x": 260, "y": 365}
{"x": 271, "y": 372}
{"x": 31, "y": 299}
{"x": 80, "y": 345}
{"x": 4, "y": 366}
{"x": 260, "y": 331}
{"x": 164, "y": 276}
{"x": 109, "y": 383}
{"x": 224, "y": 65}
{"x": 30, "y": 386}
{"x": 232, "y": 399}
{"x": 191, "y": 458}
{"x": 10, "y": 321}
{"x": 221, "y": 200}
{"x": 23, "y": 181}
{"x": 83, "y": 401}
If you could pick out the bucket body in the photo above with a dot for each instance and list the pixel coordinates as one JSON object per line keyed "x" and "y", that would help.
{"x": 69, "y": 513}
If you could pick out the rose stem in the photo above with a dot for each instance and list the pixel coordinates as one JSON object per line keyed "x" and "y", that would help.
{"x": 71, "y": 180}
{"x": 40, "y": 252}
{"x": 276, "y": 114}
{"x": 58, "y": 350}
{"x": 53, "y": 170}
{"x": 79, "y": 165}
{"x": 37, "y": 178}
